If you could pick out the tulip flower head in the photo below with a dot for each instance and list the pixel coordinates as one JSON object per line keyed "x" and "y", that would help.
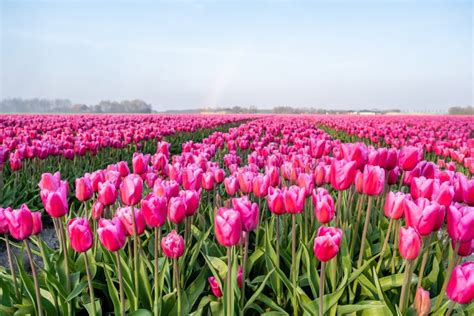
{"x": 248, "y": 212}
{"x": 327, "y": 243}
{"x": 422, "y": 303}
{"x": 131, "y": 189}
{"x": 228, "y": 227}
{"x": 323, "y": 205}
{"x": 20, "y": 222}
{"x": 80, "y": 234}
{"x": 461, "y": 284}
{"x": 111, "y": 234}
{"x": 409, "y": 243}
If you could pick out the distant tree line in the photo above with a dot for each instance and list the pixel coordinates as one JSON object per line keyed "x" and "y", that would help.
{"x": 289, "y": 110}
{"x": 459, "y": 110}
{"x": 36, "y": 105}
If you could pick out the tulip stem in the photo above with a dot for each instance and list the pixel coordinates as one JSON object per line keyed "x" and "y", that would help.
{"x": 12, "y": 268}
{"x": 120, "y": 279}
{"x": 338, "y": 208}
{"x": 178, "y": 290}
{"x": 89, "y": 281}
{"x": 293, "y": 261}
{"x": 156, "y": 245}
{"x": 385, "y": 244}
{"x": 244, "y": 274}
{"x": 355, "y": 229}
{"x": 135, "y": 255}
{"x": 278, "y": 256}
{"x": 395, "y": 245}
{"x": 448, "y": 274}
{"x": 401, "y": 181}
{"x": 35, "y": 279}
{"x": 321, "y": 288}
{"x": 451, "y": 308}
{"x": 229, "y": 281}
{"x": 406, "y": 286}
{"x": 424, "y": 260}
{"x": 66, "y": 259}
{"x": 364, "y": 232}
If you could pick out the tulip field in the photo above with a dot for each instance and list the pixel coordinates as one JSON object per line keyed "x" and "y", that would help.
{"x": 236, "y": 215}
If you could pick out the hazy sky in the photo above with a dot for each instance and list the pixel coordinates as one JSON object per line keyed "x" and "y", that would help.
{"x": 413, "y": 55}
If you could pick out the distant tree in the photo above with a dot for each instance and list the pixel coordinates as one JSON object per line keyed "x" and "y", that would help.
{"x": 458, "y": 110}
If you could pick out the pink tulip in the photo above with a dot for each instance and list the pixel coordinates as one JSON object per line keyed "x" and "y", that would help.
{"x": 49, "y": 181}
{"x": 305, "y": 181}
{"x": 323, "y": 205}
{"x": 192, "y": 178}
{"x": 245, "y": 181}
{"x": 107, "y": 193}
{"x": 342, "y": 174}
{"x": 122, "y": 168}
{"x": 208, "y": 181}
{"x": 216, "y": 290}
{"x": 84, "y": 189}
{"x": 3, "y": 220}
{"x": 409, "y": 157}
{"x": 460, "y": 221}
{"x": 461, "y": 284}
{"x": 140, "y": 163}
{"x": 80, "y": 234}
{"x": 373, "y": 180}
{"x": 409, "y": 243}
{"x": 37, "y": 223}
{"x": 131, "y": 189}
{"x": 176, "y": 209}
{"x": 228, "y": 227}
{"x": 111, "y": 234}
{"x": 276, "y": 201}
{"x": 294, "y": 197}
{"x": 167, "y": 189}
{"x": 125, "y": 216}
{"x": 20, "y": 222}
{"x": 425, "y": 216}
{"x": 191, "y": 200}
{"x": 395, "y": 204}
{"x": 260, "y": 185}
{"x": 172, "y": 245}
{"x": 443, "y": 194}
{"x": 467, "y": 187}
{"x": 154, "y": 209}
{"x": 248, "y": 212}
{"x": 466, "y": 248}
{"x": 55, "y": 202}
{"x": 97, "y": 210}
{"x": 422, "y": 187}
{"x": 327, "y": 243}
{"x": 422, "y": 303}
{"x": 231, "y": 185}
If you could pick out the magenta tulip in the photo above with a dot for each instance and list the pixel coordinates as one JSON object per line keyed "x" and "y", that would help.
{"x": 173, "y": 245}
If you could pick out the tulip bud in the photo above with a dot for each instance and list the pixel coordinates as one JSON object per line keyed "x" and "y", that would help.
{"x": 216, "y": 290}
{"x": 111, "y": 234}
{"x": 228, "y": 227}
{"x": 276, "y": 201}
{"x": 461, "y": 284}
{"x": 323, "y": 205}
{"x": 409, "y": 243}
{"x": 248, "y": 212}
{"x": 327, "y": 242}
{"x": 83, "y": 189}
{"x": 239, "y": 277}
{"x": 154, "y": 210}
{"x": 125, "y": 216}
{"x": 80, "y": 234}
{"x": 172, "y": 245}
{"x": 422, "y": 303}
{"x": 20, "y": 223}
{"x": 294, "y": 197}
{"x": 176, "y": 209}
{"x": 131, "y": 189}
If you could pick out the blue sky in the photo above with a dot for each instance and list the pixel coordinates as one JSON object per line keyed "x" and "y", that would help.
{"x": 412, "y": 55}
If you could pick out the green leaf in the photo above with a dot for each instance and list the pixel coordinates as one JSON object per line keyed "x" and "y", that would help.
{"x": 76, "y": 291}
{"x": 259, "y": 290}
{"x": 141, "y": 312}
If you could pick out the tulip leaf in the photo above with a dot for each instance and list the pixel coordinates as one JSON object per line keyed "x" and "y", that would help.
{"x": 259, "y": 290}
